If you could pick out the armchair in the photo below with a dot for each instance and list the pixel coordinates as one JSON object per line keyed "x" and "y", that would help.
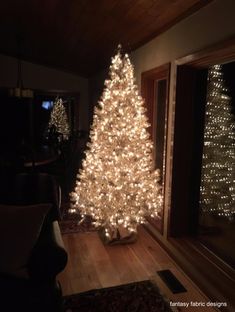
{"x": 31, "y": 246}
{"x": 31, "y": 189}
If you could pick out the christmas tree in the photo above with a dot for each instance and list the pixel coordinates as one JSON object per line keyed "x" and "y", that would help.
{"x": 58, "y": 120}
{"x": 117, "y": 185}
{"x": 218, "y": 165}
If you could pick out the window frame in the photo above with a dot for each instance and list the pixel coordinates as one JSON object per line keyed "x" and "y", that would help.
{"x": 149, "y": 80}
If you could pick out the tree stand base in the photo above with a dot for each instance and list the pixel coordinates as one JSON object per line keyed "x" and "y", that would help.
{"x": 120, "y": 236}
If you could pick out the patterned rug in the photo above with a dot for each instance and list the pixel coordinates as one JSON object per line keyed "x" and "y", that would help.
{"x": 136, "y": 297}
{"x": 70, "y": 222}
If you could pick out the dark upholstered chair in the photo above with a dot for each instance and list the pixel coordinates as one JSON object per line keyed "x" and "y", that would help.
{"x": 31, "y": 189}
{"x": 32, "y": 252}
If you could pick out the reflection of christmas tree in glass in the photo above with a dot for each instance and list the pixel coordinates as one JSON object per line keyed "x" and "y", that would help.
{"x": 59, "y": 120}
{"x": 218, "y": 165}
{"x": 117, "y": 185}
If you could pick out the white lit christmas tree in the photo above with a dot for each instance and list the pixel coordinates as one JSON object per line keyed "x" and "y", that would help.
{"x": 218, "y": 165}
{"x": 117, "y": 185}
{"x": 59, "y": 120}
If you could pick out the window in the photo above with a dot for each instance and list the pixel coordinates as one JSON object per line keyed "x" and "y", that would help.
{"x": 155, "y": 92}
{"x": 47, "y": 105}
{"x": 202, "y": 202}
{"x": 216, "y": 227}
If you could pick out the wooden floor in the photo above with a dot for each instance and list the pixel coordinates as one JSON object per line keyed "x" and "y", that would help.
{"x": 94, "y": 265}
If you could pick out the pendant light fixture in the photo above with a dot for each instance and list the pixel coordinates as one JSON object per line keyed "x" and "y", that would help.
{"x": 20, "y": 91}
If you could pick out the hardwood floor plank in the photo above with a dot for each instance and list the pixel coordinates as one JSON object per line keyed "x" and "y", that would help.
{"x": 108, "y": 275}
{"x": 126, "y": 264}
{"x": 117, "y": 255}
{"x": 141, "y": 252}
{"x": 154, "y": 249}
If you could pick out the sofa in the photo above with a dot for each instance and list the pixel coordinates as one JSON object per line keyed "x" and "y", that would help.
{"x": 32, "y": 252}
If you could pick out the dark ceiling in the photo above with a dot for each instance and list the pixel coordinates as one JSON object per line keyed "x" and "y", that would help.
{"x": 80, "y": 36}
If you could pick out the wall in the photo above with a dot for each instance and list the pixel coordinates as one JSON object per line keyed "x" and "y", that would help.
{"x": 45, "y": 78}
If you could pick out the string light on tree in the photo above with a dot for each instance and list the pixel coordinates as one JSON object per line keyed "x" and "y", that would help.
{"x": 117, "y": 185}
{"x": 59, "y": 120}
{"x": 218, "y": 165}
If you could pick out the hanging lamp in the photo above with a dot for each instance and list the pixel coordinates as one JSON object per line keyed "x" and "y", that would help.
{"x": 19, "y": 91}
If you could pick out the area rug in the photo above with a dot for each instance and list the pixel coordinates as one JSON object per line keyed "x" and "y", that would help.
{"x": 136, "y": 297}
{"x": 70, "y": 222}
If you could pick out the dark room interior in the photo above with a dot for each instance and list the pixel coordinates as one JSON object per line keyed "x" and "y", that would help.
{"x": 117, "y": 155}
